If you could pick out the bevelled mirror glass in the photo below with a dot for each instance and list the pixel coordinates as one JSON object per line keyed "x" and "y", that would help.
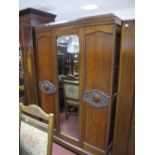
{"x": 68, "y": 76}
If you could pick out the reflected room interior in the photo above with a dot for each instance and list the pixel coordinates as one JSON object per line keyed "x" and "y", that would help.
{"x": 21, "y": 78}
{"x": 68, "y": 76}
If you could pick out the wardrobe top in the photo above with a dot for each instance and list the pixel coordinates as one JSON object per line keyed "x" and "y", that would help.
{"x": 86, "y": 21}
{"x": 36, "y": 12}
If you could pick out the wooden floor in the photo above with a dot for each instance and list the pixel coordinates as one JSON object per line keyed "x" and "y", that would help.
{"x": 70, "y": 126}
{"x": 59, "y": 150}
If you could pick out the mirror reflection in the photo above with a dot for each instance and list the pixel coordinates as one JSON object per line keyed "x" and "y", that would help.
{"x": 68, "y": 75}
{"x": 21, "y": 79}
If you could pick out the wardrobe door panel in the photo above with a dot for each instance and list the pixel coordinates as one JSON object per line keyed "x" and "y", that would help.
{"x": 98, "y": 75}
{"x": 46, "y": 71}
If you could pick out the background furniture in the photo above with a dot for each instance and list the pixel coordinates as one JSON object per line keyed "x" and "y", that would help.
{"x": 29, "y": 18}
{"x": 124, "y": 133}
{"x": 98, "y": 73}
{"x": 62, "y": 59}
{"x": 71, "y": 94}
{"x": 35, "y": 136}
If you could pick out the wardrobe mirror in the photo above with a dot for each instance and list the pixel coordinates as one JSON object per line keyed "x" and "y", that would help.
{"x": 68, "y": 76}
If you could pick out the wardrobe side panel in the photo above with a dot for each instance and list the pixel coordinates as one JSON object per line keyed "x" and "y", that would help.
{"x": 126, "y": 86}
{"x": 26, "y": 43}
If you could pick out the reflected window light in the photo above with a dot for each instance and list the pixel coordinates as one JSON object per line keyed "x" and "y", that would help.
{"x": 67, "y": 38}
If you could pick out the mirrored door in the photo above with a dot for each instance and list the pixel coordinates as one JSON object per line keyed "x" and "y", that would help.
{"x": 68, "y": 77}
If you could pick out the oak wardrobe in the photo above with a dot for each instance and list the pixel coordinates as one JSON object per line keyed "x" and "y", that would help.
{"x": 76, "y": 74}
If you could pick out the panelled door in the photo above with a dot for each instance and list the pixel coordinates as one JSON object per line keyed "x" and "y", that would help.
{"x": 46, "y": 71}
{"x": 98, "y": 57}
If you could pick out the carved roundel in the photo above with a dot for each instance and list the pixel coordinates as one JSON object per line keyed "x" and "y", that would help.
{"x": 47, "y": 87}
{"x": 96, "y": 98}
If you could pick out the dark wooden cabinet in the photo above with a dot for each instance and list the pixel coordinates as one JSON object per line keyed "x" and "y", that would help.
{"x": 124, "y": 141}
{"x": 98, "y": 67}
{"x": 29, "y": 18}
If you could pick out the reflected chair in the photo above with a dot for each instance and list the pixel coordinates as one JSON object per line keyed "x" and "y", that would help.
{"x": 36, "y": 131}
{"x": 71, "y": 94}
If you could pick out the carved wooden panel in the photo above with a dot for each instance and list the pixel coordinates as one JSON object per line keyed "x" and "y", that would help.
{"x": 47, "y": 87}
{"x": 98, "y": 69}
{"x": 96, "y": 98}
{"x": 46, "y": 69}
{"x": 35, "y": 110}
